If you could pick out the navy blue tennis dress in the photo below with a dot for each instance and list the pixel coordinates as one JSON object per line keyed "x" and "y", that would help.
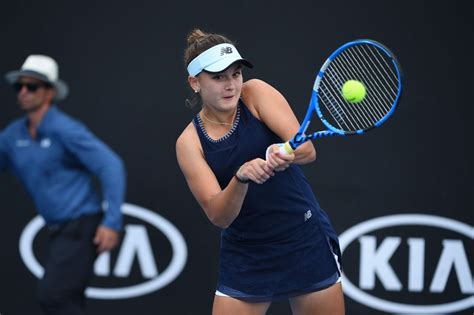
{"x": 282, "y": 243}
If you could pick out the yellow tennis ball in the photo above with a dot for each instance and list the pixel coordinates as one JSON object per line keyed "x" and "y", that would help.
{"x": 353, "y": 91}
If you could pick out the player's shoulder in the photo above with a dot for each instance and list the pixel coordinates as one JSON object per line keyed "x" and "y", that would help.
{"x": 188, "y": 148}
{"x": 254, "y": 85}
{"x": 256, "y": 89}
{"x": 258, "y": 94}
{"x": 187, "y": 138}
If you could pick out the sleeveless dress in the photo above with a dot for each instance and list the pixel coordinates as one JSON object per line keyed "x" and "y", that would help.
{"x": 282, "y": 243}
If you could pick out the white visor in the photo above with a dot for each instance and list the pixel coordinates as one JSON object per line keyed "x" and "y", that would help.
{"x": 216, "y": 59}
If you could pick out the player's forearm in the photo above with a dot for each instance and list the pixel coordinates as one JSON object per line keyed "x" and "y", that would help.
{"x": 224, "y": 207}
{"x": 304, "y": 154}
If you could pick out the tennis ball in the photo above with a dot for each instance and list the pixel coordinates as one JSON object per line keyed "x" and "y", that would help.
{"x": 353, "y": 91}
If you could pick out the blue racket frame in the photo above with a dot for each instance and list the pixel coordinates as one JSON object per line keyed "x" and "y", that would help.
{"x": 301, "y": 137}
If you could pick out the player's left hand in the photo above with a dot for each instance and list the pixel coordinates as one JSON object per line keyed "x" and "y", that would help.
{"x": 105, "y": 238}
{"x": 277, "y": 160}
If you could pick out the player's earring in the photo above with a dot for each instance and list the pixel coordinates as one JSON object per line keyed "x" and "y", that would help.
{"x": 196, "y": 91}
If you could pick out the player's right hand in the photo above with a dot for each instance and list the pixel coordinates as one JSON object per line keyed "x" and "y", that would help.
{"x": 257, "y": 170}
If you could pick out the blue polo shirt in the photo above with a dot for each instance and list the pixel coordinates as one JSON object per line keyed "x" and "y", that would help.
{"x": 57, "y": 168}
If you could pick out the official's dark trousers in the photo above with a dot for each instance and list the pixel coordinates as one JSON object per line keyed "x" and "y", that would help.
{"x": 69, "y": 266}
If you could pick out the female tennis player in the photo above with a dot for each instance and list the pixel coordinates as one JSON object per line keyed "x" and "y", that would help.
{"x": 276, "y": 241}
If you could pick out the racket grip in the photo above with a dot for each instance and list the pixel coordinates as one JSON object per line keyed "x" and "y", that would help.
{"x": 284, "y": 148}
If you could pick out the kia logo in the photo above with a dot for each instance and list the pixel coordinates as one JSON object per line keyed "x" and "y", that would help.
{"x": 376, "y": 252}
{"x": 135, "y": 245}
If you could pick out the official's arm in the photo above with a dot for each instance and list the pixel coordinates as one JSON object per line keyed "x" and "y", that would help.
{"x": 100, "y": 160}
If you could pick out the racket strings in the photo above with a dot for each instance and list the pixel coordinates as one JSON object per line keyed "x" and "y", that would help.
{"x": 376, "y": 70}
{"x": 353, "y": 61}
{"x": 366, "y": 63}
{"x": 353, "y": 66}
{"x": 356, "y": 117}
{"x": 368, "y": 111}
{"x": 348, "y": 117}
{"x": 374, "y": 78}
{"x": 392, "y": 76}
{"x": 340, "y": 114}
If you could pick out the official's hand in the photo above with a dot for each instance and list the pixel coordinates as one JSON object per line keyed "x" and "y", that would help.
{"x": 105, "y": 238}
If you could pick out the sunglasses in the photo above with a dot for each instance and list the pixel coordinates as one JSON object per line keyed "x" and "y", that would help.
{"x": 31, "y": 87}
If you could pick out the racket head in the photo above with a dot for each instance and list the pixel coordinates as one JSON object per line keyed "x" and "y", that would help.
{"x": 372, "y": 64}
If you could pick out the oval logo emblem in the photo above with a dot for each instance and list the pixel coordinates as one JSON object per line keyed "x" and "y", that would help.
{"x": 375, "y": 261}
{"x": 155, "y": 282}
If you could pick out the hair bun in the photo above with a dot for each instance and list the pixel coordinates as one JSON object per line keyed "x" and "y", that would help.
{"x": 195, "y": 36}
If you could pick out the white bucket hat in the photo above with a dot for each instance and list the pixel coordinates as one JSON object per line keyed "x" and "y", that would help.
{"x": 43, "y": 68}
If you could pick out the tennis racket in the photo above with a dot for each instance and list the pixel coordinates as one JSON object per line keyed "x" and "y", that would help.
{"x": 367, "y": 62}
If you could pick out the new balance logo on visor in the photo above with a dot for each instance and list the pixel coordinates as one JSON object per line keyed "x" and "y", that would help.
{"x": 226, "y": 50}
